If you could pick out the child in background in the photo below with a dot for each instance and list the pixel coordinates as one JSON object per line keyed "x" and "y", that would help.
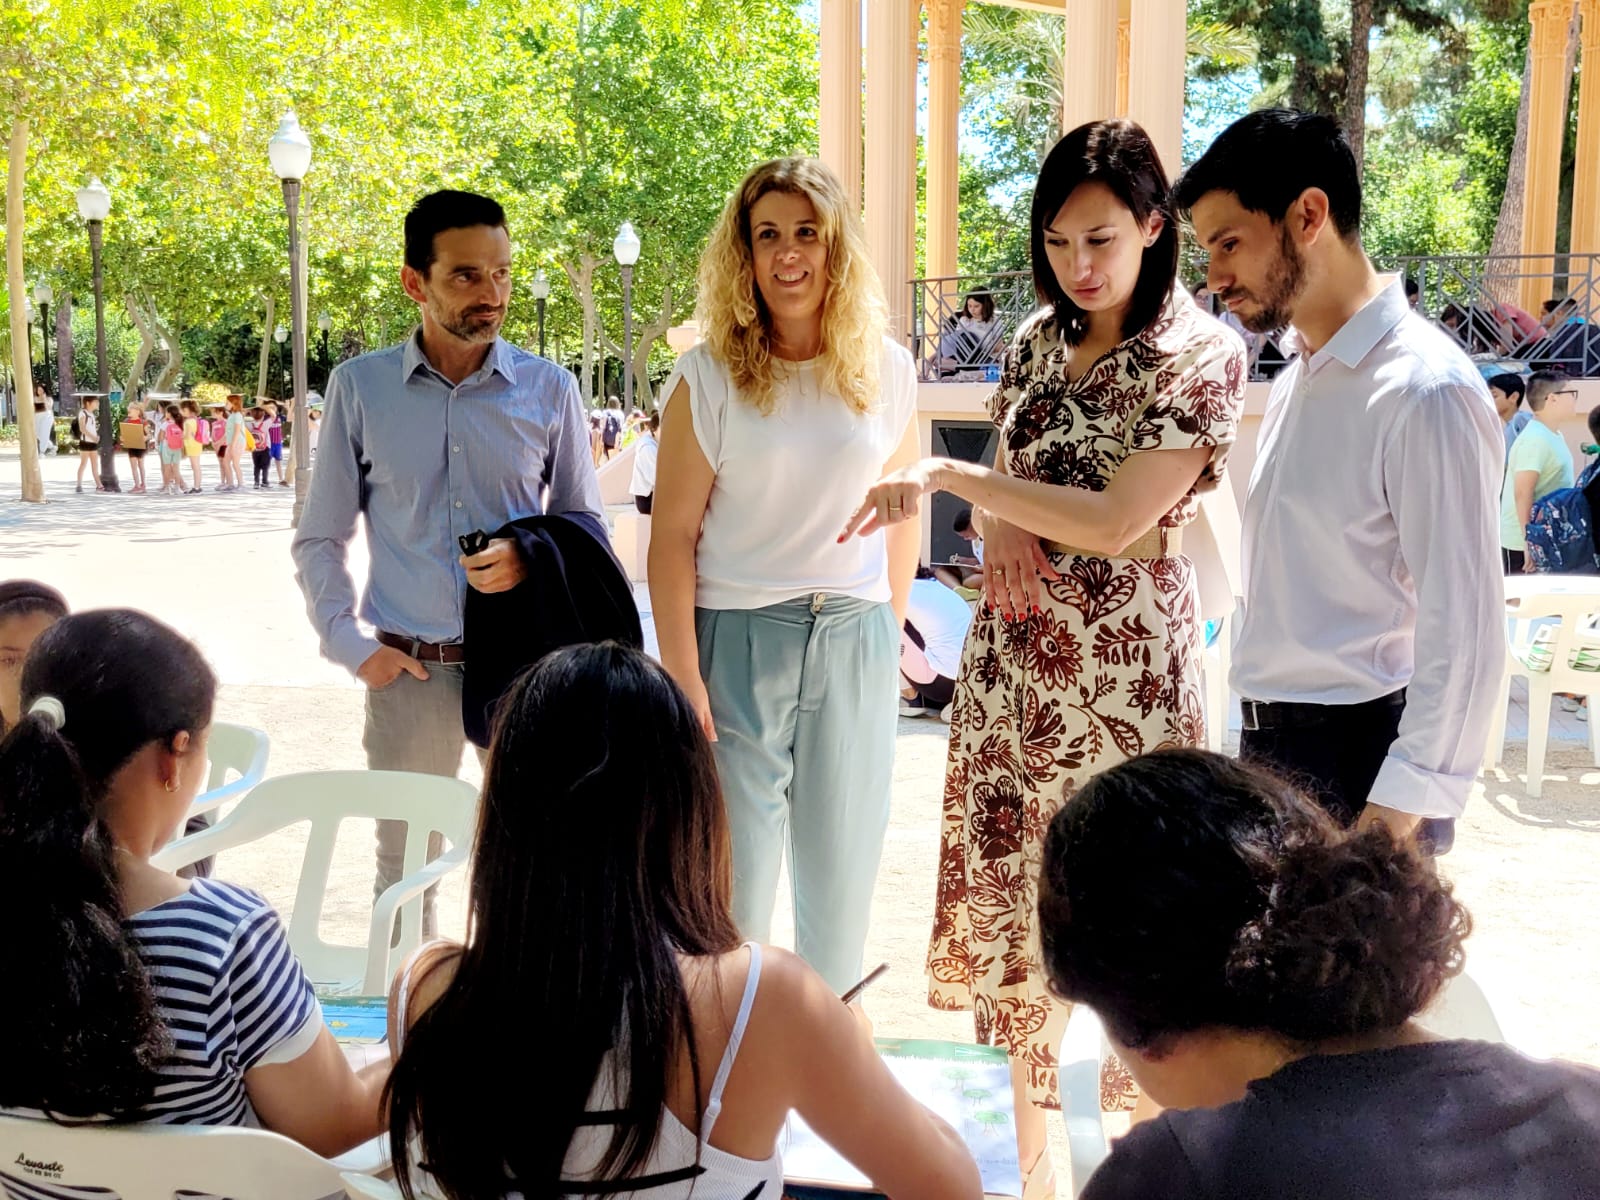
{"x": 260, "y": 446}
{"x": 219, "y": 440}
{"x": 275, "y": 440}
{"x": 192, "y": 443}
{"x": 88, "y": 442}
{"x": 171, "y": 448}
{"x": 136, "y": 451}
{"x": 238, "y": 439}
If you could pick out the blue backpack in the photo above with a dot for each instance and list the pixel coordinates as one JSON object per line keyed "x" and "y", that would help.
{"x": 1561, "y": 530}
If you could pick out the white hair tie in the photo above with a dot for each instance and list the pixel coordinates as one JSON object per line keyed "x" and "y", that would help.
{"x": 49, "y": 710}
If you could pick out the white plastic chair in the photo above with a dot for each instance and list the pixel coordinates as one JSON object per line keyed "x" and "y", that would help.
{"x": 1462, "y": 1010}
{"x": 1569, "y": 609}
{"x": 1215, "y": 663}
{"x": 427, "y": 803}
{"x": 1083, "y": 1050}
{"x": 231, "y": 748}
{"x": 159, "y": 1162}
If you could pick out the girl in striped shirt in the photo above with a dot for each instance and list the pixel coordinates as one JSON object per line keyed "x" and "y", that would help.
{"x": 149, "y": 997}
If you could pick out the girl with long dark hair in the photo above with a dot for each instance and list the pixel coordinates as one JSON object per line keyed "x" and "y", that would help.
{"x": 603, "y": 1030}
{"x": 147, "y": 997}
{"x": 1263, "y": 971}
{"x": 1117, "y": 402}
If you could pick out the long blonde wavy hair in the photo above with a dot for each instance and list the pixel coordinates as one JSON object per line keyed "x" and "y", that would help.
{"x": 734, "y": 319}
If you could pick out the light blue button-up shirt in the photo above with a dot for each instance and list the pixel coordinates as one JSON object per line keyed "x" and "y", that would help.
{"x": 425, "y": 461}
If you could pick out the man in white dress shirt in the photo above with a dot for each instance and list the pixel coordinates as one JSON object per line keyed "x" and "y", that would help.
{"x": 1371, "y": 644}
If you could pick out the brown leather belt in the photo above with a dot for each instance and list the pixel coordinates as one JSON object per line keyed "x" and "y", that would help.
{"x": 1160, "y": 542}
{"x": 449, "y": 654}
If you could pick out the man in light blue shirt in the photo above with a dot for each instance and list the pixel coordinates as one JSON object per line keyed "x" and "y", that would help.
{"x": 452, "y": 432}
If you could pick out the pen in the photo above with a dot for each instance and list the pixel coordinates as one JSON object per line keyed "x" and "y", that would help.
{"x": 877, "y": 972}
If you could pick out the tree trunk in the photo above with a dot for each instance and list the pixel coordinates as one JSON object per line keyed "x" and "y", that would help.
{"x": 147, "y": 345}
{"x": 66, "y": 363}
{"x": 582, "y": 279}
{"x": 21, "y": 364}
{"x": 169, "y": 338}
{"x": 1355, "y": 95}
{"x": 1508, "y": 226}
{"x": 266, "y": 345}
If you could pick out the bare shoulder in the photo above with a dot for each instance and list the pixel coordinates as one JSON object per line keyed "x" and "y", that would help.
{"x": 422, "y": 979}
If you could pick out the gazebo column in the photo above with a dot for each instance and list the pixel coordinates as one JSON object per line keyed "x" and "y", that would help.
{"x": 1157, "y": 41}
{"x": 1089, "y": 91}
{"x": 1550, "y": 21}
{"x": 944, "y": 136}
{"x": 1586, "y": 173}
{"x": 839, "y": 116}
{"x": 892, "y": 29}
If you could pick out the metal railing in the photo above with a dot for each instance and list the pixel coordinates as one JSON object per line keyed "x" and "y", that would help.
{"x": 1473, "y": 298}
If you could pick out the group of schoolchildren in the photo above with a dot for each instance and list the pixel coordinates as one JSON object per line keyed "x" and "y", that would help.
{"x": 180, "y": 433}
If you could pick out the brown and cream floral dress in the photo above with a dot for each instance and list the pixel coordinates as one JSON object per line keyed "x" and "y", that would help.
{"x": 1110, "y": 670}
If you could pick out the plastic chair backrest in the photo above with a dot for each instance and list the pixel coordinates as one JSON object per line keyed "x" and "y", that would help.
{"x": 1462, "y": 1010}
{"x": 427, "y": 803}
{"x": 158, "y": 1162}
{"x": 1570, "y": 608}
{"x": 236, "y": 749}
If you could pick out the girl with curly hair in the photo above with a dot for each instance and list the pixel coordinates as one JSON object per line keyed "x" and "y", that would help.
{"x": 1117, "y": 402}
{"x": 1268, "y": 974}
{"x": 784, "y": 635}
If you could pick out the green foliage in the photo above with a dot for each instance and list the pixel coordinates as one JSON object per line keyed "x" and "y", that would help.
{"x": 1420, "y": 200}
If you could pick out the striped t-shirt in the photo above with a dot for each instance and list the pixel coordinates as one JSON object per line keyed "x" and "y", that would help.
{"x": 233, "y": 996}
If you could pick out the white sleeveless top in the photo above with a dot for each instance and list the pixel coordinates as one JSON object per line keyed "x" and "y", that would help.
{"x": 787, "y": 483}
{"x": 681, "y": 1163}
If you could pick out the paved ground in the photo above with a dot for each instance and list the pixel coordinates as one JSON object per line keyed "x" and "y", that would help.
{"x": 217, "y": 567}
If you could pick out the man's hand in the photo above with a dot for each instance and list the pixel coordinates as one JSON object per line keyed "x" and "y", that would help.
{"x": 387, "y": 665}
{"x": 1402, "y": 824}
{"x": 497, "y": 569}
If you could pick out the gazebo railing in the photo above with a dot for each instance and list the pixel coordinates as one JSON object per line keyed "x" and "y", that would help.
{"x": 1470, "y": 296}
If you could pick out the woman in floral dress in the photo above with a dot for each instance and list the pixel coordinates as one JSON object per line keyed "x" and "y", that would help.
{"x": 1117, "y": 402}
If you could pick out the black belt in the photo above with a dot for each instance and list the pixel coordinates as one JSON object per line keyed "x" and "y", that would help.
{"x": 1294, "y": 714}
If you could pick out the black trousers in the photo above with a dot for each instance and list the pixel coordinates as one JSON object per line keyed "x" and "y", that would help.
{"x": 642, "y": 503}
{"x": 1335, "y": 758}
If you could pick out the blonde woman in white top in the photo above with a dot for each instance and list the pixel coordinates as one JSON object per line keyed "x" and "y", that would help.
{"x": 785, "y": 637}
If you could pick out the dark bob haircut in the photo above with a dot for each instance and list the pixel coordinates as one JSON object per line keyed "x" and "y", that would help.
{"x": 439, "y": 211}
{"x": 1510, "y": 383}
{"x": 1268, "y": 159}
{"x": 1184, "y": 890}
{"x": 1120, "y": 155}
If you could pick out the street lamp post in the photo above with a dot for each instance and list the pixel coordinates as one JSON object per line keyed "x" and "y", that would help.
{"x": 626, "y": 250}
{"x": 43, "y": 294}
{"x": 325, "y": 323}
{"x": 290, "y": 152}
{"x": 280, "y": 335}
{"x": 94, "y": 206}
{"x": 541, "y": 293}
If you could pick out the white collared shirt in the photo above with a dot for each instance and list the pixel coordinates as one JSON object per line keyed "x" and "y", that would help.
{"x": 1370, "y": 550}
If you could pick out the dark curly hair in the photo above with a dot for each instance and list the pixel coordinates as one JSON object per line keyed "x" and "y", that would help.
{"x": 1184, "y": 890}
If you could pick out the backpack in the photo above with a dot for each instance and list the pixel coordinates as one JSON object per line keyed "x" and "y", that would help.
{"x": 174, "y": 435}
{"x": 1561, "y": 530}
{"x": 612, "y": 429}
{"x": 202, "y": 431}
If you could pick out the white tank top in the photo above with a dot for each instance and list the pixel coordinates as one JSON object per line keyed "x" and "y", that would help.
{"x": 681, "y": 1163}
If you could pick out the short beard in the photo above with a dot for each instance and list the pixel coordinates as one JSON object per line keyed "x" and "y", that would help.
{"x": 475, "y": 330}
{"x": 1285, "y": 280}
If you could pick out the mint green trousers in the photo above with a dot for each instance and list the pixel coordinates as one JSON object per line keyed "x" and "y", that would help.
{"x": 804, "y": 697}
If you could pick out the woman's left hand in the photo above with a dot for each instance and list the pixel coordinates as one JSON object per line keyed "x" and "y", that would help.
{"x": 894, "y": 498}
